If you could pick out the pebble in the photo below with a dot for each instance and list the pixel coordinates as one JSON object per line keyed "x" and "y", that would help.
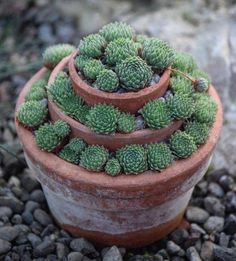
{"x": 214, "y": 206}
{"x": 29, "y": 182}
{"x": 5, "y": 212}
{"x": 10, "y": 201}
{"x": 27, "y": 217}
{"x": 179, "y": 235}
{"x": 197, "y": 215}
{"x": 31, "y": 206}
{"x": 5, "y": 246}
{"x": 75, "y": 256}
{"x": 8, "y": 233}
{"x": 42, "y": 217}
{"x": 230, "y": 224}
{"x": 214, "y": 224}
{"x": 224, "y": 239}
{"x": 172, "y": 248}
{"x": 217, "y": 174}
{"x": 192, "y": 254}
{"x": 230, "y": 201}
{"x": 207, "y": 251}
{"x": 216, "y": 190}
{"x": 38, "y": 196}
{"x": 61, "y": 250}
{"x": 224, "y": 254}
{"x": 196, "y": 228}
{"x": 82, "y": 245}
{"x": 34, "y": 239}
{"x": 113, "y": 254}
{"x": 16, "y": 219}
{"x": 226, "y": 182}
{"x": 45, "y": 248}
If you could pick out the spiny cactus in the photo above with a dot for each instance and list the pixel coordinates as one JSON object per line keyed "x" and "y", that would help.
{"x": 54, "y": 54}
{"x": 92, "y": 69}
{"x": 181, "y": 85}
{"x": 39, "y": 85}
{"x": 69, "y": 155}
{"x": 94, "y": 157}
{"x": 141, "y": 38}
{"x": 81, "y": 113}
{"x": 112, "y": 167}
{"x": 119, "y": 50}
{"x": 77, "y": 145}
{"x": 116, "y": 30}
{"x": 159, "y": 156}
{"x": 36, "y": 95}
{"x": 80, "y": 61}
{"x": 92, "y": 45}
{"x": 156, "y": 114}
{"x": 201, "y": 85}
{"x": 182, "y": 144}
{"x": 197, "y": 74}
{"x": 134, "y": 73}
{"x": 184, "y": 62}
{"x": 198, "y": 131}
{"x": 107, "y": 81}
{"x": 181, "y": 106}
{"x": 32, "y": 113}
{"x": 102, "y": 118}
{"x": 205, "y": 109}
{"x": 158, "y": 54}
{"x": 126, "y": 123}
{"x": 49, "y": 136}
{"x": 133, "y": 159}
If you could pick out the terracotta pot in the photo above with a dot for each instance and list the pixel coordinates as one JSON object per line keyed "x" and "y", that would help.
{"x": 112, "y": 142}
{"x": 128, "y": 211}
{"x": 128, "y": 102}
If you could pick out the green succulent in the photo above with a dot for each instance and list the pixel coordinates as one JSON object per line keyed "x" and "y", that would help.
{"x": 112, "y": 167}
{"x": 116, "y": 30}
{"x": 201, "y": 85}
{"x": 94, "y": 157}
{"x": 36, "y": 95}
{"x": 47, "y": 75}
{"x": 182, "y": 144}
{"x": 205, "y": 109}
{"x": 77, "y": 145}
{"x": 61, "y": 128}
{"x": 54, "y": 54}
{"x": 81, "y": 113}
{"x": 181, "y": 85}
{"x": 32, "y": 113}
{"x": 184, "y": 62}
{"x": 107, "y": 81}
{"x": 198, "y": 131}
{"x": 39, "y": 85}
{"x": 158, "y": 54}
{"x": 92, "y": 45}
{"x": 132, "y": 158}
{"x": 119, "y": 50}
{"x": 159, "y": 156}
{"x": 134, "y": 73}
{"x": 141, "y": 38}
{"x": 92, "y": 69}
{"x": 49, "y": 136}
{"x": 80, "y": 61}
{"x": 197, "y": 74}
{"x": 126, "y": 123}
{"x": 71, "y": 105}
{"x": 181, "y": 106}
{"x": 69, "y": 155}
{"x": 156, "y": 114}
{"x": 102, "y": 118}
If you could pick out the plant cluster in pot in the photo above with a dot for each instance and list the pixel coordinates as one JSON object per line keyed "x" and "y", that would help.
{"x": 118, "y": 133}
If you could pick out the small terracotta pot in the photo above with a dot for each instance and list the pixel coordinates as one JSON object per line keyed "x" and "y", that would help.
{"x": 128, "y": 102}
{"x": 112, "y": 142}
{"x": 126, "y": 210}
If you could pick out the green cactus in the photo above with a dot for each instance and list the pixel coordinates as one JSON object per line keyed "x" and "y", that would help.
{"x": 182, "y": 144}
{"x": 77, "y": 145}
{"x": 132, "y": 158}
{"x": 102, "y": 118}
{"x": 94, "y": 157}
{"x": 159, "y": 156}
{"x": 196, "y": 74}
{"x": 61, "y": 128}
{"x": 107, "y": 81}
{"x": 184, "y": 62}
{"x": 39, "y": 85}
{"x": 205, "y": 109}
{"x": 158, "y": 54}
{"x": 126, "y": 123}
{"x": 198, "y": 131}
{"x": 201, "y": 85}
{"x": 112, "y": 167}
{"x": 92, "y": 69}
{"x": 141, "y": 38}
{"x": 81, "y": 113}
{"x": 181, "y": 106}
{"x": 36, "y": 95}
{"x": 92, "y": 45}
{"x": 116, "y": 30}
{"x": 32, "y": 113}
{"x": 181, "y": 85}
{"x": 134, "y": 73}
{"x": 54, "y": 54}
{"x": 156, "y": 114}
{"x": 119, "y": 50}
{"x": 69, "y": 155}
{"x": 80, "y": 61}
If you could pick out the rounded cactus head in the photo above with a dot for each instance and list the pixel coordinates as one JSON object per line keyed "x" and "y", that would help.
{"x": 126, "y": 123}
{"x": 80, "y": 61}
{"x": 113, "y": 167}
{"x": 184, "y": 62}
{"x": 134, "y": 74}
{"x": 198, "y": 131}
{"x": 92, "y": 69}
{"x": 107, "y": 81}
{"x": 201, "y": 85}
{"x": 69, "y": 155}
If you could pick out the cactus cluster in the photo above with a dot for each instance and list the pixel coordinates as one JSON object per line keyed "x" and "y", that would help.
{"x": 113, "y": 167}
{"x": 184, "y": 62}
{"x": 92, "y": 68}
{"x": 107, "y": 81}
{"x": 198, "y": 131}
{"x": 181, "y": 85}
{"x": 126, "y": 123}
{"x": 37, "y": 91}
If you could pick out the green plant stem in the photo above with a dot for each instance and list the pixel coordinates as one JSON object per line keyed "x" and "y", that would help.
{"x": 183, "y": 74}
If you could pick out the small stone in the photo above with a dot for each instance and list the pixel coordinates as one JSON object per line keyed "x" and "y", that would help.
{"x": 36, "y": 227}
{"x": 224, "y": 239}
{"x": 38, "y": 196}
{"x": 230, "y": 224}
{"x": 163, "y": 253}
{"x": 48, "y": 230}
{"x": 62, "y": 250}
{"x": 207, "y": 251}
{"x": 214, "y": 224}
{"x": 196, "y": 228}
{"x": 27, "y": 217}
{"x": 197, "y": 215}
{"x": 226, "y": 182}
{"x": 45, "y": 248}
{"x": 230, "y": 201}
{"x": 31, "y": 206}
{"x": 172, "y": 248}
{"x": 113, "y": 254}
{"x": 224, "y": 254}
{"x": 158, "y": 257}
{"x": 192, "y": 254}
{"x": 216, "y": 190}
{"x": 5, "y": 212}
{"x": 34, "y": 239}
{"x": 16, "y": 219}
{"x": 214, "y": 206}
{"x": 75, "y": 256}
{"x": 5, "y": 246}
{"x": 42, "y": 217}
{"x": 82, "y": 245}
{"x": 12, "y": 202}
{"x": 8, "y": 233}
{"x": 139, "y": 123}
{"x": 217, "y": 174}
{"x": 179, "y": 235}
{"x": 29, "y": 182}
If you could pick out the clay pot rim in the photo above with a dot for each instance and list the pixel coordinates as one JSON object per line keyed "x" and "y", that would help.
{"x": 112, "y": 96}
{"x": 178, "y": 170}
